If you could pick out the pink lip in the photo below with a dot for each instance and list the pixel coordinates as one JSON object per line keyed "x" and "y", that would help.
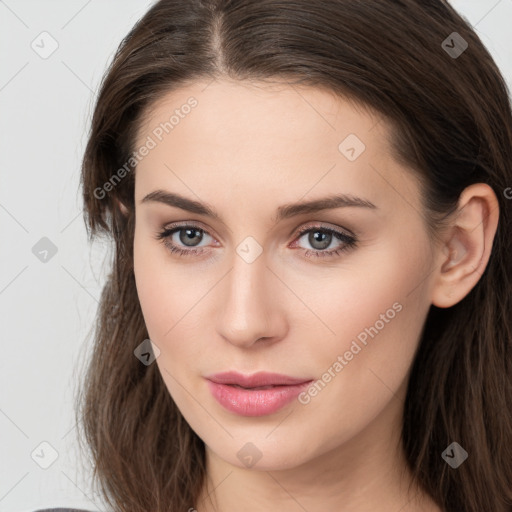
{"x": 254, "y": 402}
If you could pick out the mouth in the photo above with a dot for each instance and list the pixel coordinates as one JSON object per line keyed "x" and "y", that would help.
{"x": 255, "y": 387}
{"x": 259, "y": 394}
{"x": 256, "y": 380}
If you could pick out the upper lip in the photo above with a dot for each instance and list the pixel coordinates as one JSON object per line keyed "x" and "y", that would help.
{"x": 256, "y": 379}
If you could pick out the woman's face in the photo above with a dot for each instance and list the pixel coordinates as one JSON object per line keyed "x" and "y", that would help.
{"x": 250, "y": 293}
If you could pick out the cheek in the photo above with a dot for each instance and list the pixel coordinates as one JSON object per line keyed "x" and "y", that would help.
{"x": 378, "y": 288}
{"x": 377, "y": 311}
{"x": 149, "y": 284}
{"x": 171, "y": 303}
{"x": 165, "y": 299}
{"x": 164, "y": 293}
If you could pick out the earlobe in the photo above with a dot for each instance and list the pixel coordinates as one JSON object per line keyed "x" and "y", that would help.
{"x": 122, "y": 207}
{"x": 467, "y": 245}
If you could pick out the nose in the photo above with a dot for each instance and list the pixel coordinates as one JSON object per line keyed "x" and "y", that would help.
{"x": 251, "y": 305}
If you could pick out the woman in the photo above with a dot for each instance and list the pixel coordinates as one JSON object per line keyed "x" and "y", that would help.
{"x": 309, "y": 304}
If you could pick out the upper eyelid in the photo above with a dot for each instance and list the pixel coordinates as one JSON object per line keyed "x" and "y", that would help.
{"x": 325, "y": 227}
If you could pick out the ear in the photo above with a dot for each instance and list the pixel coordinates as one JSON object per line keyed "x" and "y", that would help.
{"x": 122, "y": 207}
{"x": 466, "y": 246}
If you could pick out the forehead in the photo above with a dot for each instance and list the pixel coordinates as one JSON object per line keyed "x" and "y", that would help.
{"x": 262, "y": 139}
{"x": 255, "y": 113}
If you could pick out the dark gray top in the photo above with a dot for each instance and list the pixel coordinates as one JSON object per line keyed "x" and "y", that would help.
{"x": 62, "y": 510}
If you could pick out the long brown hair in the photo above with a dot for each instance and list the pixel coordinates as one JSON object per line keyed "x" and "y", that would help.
{"x": 419, "y": 64}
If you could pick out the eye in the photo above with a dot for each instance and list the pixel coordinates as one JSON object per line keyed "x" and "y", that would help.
{"x": 320, "y": 238}
{"x": 176, "y": 238}
{"x": 188, "y": 235}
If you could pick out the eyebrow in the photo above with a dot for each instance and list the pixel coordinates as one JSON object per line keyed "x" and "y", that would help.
{"x": 283, "y": 212}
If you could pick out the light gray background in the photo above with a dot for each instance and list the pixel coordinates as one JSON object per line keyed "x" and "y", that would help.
{"x": 48, "y": 307}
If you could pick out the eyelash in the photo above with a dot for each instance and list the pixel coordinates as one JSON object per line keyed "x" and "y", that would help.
{"x": 349, "y": 241}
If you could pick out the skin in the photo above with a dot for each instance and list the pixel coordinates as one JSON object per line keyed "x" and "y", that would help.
{"x": 245, "y": 150}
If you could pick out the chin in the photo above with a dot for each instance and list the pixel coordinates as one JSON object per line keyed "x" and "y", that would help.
{"x": 263, "y": 455}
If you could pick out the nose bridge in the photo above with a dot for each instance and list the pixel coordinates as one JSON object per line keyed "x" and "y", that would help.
{"x": 248, "y": 306}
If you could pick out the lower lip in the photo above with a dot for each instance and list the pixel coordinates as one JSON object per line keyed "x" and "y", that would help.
{"x": 255, "y": 402}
